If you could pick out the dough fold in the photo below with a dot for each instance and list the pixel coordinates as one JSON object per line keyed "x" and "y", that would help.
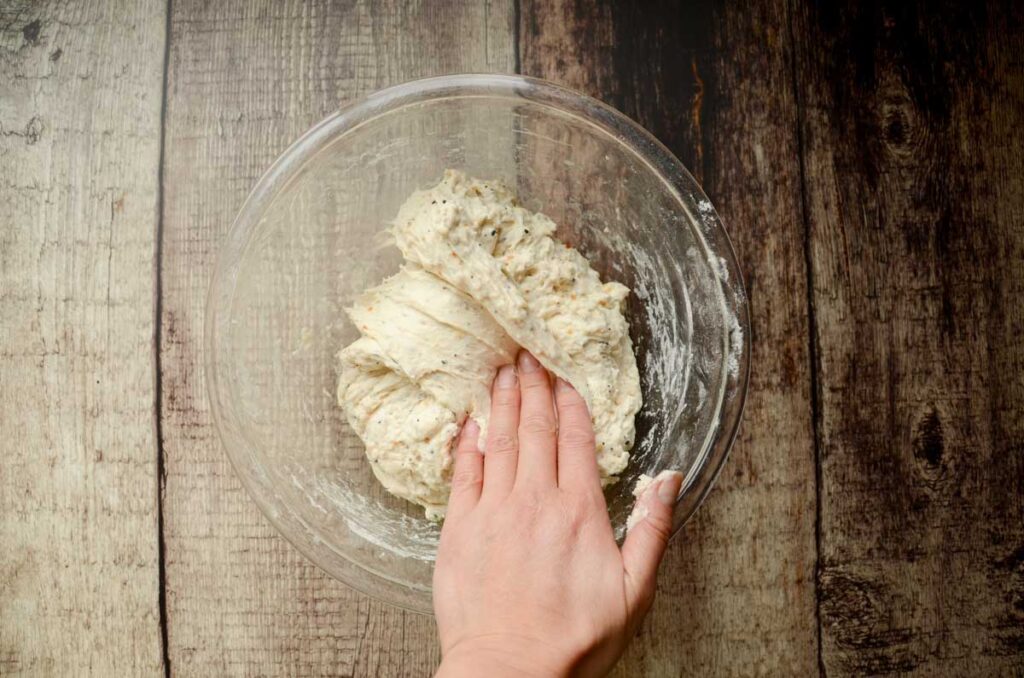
{"x": 483, "y": 277}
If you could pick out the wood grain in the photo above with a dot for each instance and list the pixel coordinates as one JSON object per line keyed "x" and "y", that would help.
{"x": 911, "y": 116}
{"x": 245, "y": 80}
{"x": 900, "y": 122}
{"x": 80, "y": 93}
{"x": 714, "y": 82}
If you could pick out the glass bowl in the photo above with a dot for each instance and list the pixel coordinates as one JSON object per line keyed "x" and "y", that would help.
{"x": 307, "y": 241}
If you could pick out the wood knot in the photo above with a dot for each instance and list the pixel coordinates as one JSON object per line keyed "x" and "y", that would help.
{"x": 898, "y": 128}
{"x": 895, "y": 127}
{"x": 31, "y": 32}
{"x": 898, "y": 124}
{"x": 928, "y": 442}
{"x": 934, "y": 459}
{"x": 855, "y": 616}
{"x": 847, "y": 600}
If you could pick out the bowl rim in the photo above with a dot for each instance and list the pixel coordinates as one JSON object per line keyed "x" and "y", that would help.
{"x": 718, "y": 442}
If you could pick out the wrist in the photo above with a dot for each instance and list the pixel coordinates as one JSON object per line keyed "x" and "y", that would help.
{"x": 501, "y": 659}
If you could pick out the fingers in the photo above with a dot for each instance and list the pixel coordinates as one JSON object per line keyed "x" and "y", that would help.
{"x": 502, "y": 449}
{"x": 467, "y": 471}
{"x": 646, "y": 541}
{"x": 537, "y": 426}
{"x": 577, "y": 460}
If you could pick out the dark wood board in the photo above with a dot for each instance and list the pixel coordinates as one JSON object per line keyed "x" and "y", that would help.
{"x": 911, "y": 119}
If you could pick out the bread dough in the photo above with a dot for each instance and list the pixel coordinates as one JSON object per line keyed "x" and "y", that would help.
{"x": 483, "y": 277}
{"x": 426, "y": 359}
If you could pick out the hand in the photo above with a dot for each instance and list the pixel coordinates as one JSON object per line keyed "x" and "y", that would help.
{"x": 529, "y": 579}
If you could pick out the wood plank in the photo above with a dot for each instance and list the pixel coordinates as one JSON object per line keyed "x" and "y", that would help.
{"x": 80, "y": 98}
{"x": 245, "y": 80}
{"x": 914, "y": 162}
{"x": 713, "y": 81}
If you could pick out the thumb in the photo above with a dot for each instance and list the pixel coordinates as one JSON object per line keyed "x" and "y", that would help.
{"x": 649, "y": 531}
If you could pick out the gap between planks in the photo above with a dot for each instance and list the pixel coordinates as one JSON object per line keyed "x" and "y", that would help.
{"x": 161, "y": 475}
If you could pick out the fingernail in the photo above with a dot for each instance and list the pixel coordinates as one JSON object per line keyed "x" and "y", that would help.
{"x": 527, "y": 363}
{"x": 506, "y": 377}
{"x": 668, "y": 488}
{"x": 470, "y": 429}
{"x": 562, "y": 386}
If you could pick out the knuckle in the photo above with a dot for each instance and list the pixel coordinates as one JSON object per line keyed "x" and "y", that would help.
{"x": 660, "y": 528}
{"x": 585, "y": 508}
{"x": 467, "y": 445}
{"x": 575, "y": 515}
{"x": 559, "y": 534}
{"x": 505, "y": 399}
{"x": 530, "y": 507}
{"x": 502, "y": 444}
{"x": 592, "y": 504}
{"x": 534, "y": 382}
{"x": 569, "y": 401}
{"x": 566, "y": 525}
{"x": 575, "y": 410}
{"x": 466, "y": 479}
{"x": 538, "y": 424}
{"x": 576, "y": 436}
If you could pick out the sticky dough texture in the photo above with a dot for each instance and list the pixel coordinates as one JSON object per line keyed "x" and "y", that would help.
{"x": 483, "y": 277}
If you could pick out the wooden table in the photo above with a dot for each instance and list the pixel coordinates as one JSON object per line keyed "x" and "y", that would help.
{"x": 868, "y": 162}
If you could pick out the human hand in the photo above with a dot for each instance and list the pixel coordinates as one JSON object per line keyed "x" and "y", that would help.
{"x": 529, "y": 579}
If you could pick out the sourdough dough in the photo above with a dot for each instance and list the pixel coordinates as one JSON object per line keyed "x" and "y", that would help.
{"x": 483, "y": 276}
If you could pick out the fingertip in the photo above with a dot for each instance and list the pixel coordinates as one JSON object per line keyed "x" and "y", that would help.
{"x": 528, "y": 364}
{"x": 657, "y": 502}
{"x": 467, "y": 473}
{"x": 563, "y": 388}
{"x": 538, "y": 425}
{"x": 668, "y": 488}
{"x": 506, "y": 378}
{"x": 577, "y": 462}
{"x": 566, "y": 394}
{"x": 470, "y": 434}
{"x": 501, "y": 443}
{"x": 649, "y": 530}
{"x": 469, "y": 437}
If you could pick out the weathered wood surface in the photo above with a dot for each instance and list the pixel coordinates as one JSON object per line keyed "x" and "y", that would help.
{"x": 911, "y": 119}
{"x": 245, "y": 80}
{"x": 80, "y": 92}
{"x": 713, "y": 82}
{"x": 867, "y": 161}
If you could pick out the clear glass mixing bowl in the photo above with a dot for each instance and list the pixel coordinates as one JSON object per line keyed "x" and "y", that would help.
{"x": 307, "y": 241}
